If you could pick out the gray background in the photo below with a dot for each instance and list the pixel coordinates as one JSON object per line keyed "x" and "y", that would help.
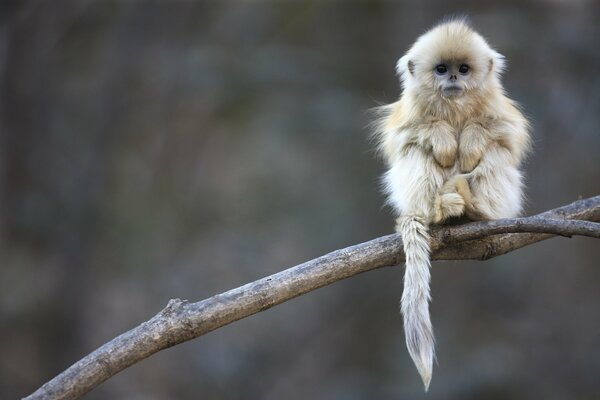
{"x": 152, "y": 150}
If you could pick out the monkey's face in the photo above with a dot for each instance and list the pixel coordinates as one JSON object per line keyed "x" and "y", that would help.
{"x": 452, "y": 78}
{"x": 450, "y": 62}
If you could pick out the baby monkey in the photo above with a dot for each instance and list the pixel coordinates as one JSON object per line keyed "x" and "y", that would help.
{"x": 453, "y": 145}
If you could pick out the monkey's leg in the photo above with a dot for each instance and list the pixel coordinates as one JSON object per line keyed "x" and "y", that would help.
{"x": 413, "y": 182}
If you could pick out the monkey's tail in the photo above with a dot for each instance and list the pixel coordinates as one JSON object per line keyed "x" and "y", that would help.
{"x": 415, "y": 298}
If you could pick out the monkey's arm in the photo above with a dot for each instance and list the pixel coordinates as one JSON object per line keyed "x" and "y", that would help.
{"x": 414, "y": 180}
{"x": 438, "y": 138}
{"x": 473, "y": 142}
{"x": 400, "y": 128}
{"x": 509, "y": 131}
{"x": 491, "y": 151}
{"x": 416, "y": 152}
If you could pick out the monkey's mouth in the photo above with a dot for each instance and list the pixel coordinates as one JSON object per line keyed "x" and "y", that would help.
{"x": 453, "y": 90}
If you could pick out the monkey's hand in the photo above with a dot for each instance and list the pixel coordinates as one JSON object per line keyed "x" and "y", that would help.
{"x": 474, "y": 139}
{"x": 443, "y": 143}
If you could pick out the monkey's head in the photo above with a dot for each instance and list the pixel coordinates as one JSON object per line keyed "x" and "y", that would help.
{"x": 451, "y": 60}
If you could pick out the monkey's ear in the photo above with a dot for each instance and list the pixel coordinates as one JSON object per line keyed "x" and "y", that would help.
{"x": 497, "y": 63}
{"x": 405, "y": 65}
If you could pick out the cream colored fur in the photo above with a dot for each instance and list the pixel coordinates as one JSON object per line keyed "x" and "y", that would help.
{"x": 447, "y": 157}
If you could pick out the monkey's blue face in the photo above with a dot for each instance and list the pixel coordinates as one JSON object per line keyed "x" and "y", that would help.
{"x": 452, "y": 77}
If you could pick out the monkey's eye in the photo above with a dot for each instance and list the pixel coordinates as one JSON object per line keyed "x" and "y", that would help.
{"x": 463, "y": 69}
{"x": 441, "y": 69}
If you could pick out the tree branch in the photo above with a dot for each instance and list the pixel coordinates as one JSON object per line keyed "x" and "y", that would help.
{"x": 181, "y": 321}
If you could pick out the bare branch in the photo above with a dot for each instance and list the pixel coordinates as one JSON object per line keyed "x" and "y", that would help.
{"x": 563, "y": 227}
{"x": 181, "y": 321}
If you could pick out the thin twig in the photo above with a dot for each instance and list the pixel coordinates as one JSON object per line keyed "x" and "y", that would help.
{"x": 181, "y": 321}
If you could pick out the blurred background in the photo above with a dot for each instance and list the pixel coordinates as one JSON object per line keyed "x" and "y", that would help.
{"x": 153, "y": 150}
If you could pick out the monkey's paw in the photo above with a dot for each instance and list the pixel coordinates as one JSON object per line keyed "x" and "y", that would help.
{"x": 444, "y": 145}
{"x": 444, "y": 150}
{"x": 446, "y": 158}
{"x": 447, "y": 205}
{"x": 469, "y": 160}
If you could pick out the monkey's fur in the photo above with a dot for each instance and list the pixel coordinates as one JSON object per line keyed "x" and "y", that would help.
{"x": 453, "y": 144}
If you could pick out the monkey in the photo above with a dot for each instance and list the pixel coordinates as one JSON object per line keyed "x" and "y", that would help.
{"x": 453, "y": 144}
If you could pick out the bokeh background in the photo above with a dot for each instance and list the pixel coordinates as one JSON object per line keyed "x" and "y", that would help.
{"x": 152, "y": 150}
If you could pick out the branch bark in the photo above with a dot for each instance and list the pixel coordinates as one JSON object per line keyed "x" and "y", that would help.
{"x": 181, "y": 321}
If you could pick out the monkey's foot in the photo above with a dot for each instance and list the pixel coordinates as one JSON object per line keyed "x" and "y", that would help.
{"x": 447, "y": 205}
{"x": 459, "y": 184}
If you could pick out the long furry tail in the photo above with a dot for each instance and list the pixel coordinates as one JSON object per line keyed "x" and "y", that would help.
{"x": 415, "y": 298}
